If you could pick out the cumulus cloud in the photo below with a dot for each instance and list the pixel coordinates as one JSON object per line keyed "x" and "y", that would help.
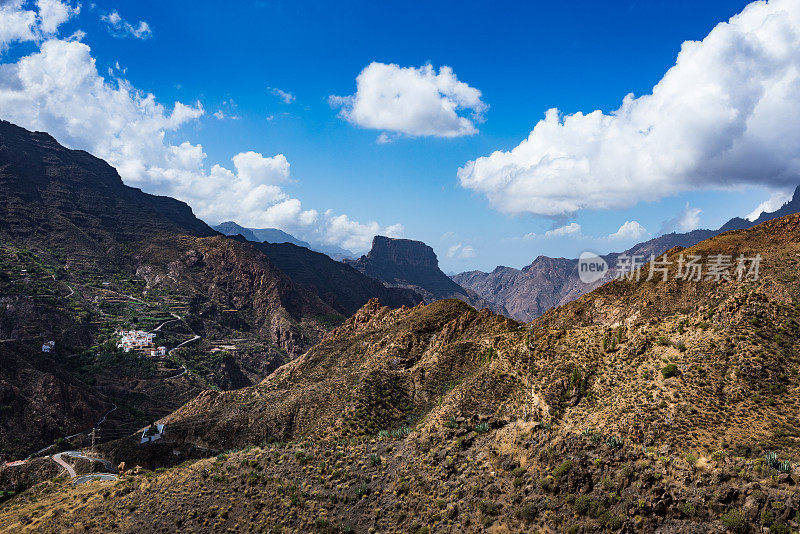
{"x": 717, "y": 119}
{"x": 460, "y": 252}
{"x": 58, "y": 89}
{"x": 353, "y": 235}
{"x": 775, "y": 201}
{"x": 687, "y": 220}
{"x": 412, "y": 101}
{"x": 120, "y": 27}
{"x": 629, "y": 231}
{"x": 20, "y": 24}
{"x": 285, "y": 96}
{"x": 571, "y": 229}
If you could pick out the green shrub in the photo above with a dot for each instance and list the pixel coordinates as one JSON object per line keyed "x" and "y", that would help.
{"x": 489, "y": 508}
{"x": 669, "y": 370}
{"x": 735, "y": 521}
{"x": 767, "y": 518}
{"x": 527, "y": 512}
{"x": 563, "y": 469}
{"x": 582, "y": 504}
{"x": 611, "y": 521}
{"x": 374, "y": 459}
{"x": 614, "y": 442}
{"x": 687, "y": 509}
{"x": 301, "y": 457}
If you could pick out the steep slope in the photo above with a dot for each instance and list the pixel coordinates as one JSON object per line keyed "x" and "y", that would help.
{"x": 75, "y": 207}
{"x": 73, "y": 202}
{"x": 38, "y": 401}
{"x": 82, "y": 255}
{"x": 413, "y": 265}
{"x": 642, "y": 406}
{"x": 734, "y": 344}
{"x": 548, "y": 282}
{"x": 341, "y": 286}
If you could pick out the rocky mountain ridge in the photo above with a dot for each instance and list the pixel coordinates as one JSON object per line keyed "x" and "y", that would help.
{"x": 410, "y": 264}
{"x": 547, "y": 282}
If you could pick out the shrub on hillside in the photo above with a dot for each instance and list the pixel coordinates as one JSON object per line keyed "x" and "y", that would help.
{"x": 669, "y": 370}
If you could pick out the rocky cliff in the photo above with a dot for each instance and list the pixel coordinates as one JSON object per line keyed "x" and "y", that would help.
{"x": 414, "y": 265}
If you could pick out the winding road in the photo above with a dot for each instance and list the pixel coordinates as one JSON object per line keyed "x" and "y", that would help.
{"x": 59, "y": 459}
{"x": 195, "y": 338}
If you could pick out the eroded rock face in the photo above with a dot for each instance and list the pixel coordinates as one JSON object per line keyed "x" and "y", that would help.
{"x": 414, "y": 265}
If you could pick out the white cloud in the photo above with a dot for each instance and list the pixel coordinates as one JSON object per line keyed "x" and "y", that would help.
{"x": 58, "y": 89}
{"x": 717, "y": 119}
{"x": 461, "y": 252}
{"x": 53, "y": 13}
{"x": 227, "y": 110}
{"x": 571, "y": 229}
{"x": 631, "y": 230}
{"x": 412, "y": 101}
{"x": 122, "y": 28}
{"x": 356, "y": 236}
{"x": 687, "y": 220}
{"x": 20, "y": 24}
{"x": 285, "y": 96}
{"x": 775, "y": 201}
{"x": 385, "y": 138}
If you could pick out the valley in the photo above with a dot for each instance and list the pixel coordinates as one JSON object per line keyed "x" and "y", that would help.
{"x": 645, "y": 404}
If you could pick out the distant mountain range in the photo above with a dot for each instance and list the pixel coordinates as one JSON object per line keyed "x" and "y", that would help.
{"x": 547, "y": 282}
{"x": 405, "y": 263}
{"x": 273, "y": 235}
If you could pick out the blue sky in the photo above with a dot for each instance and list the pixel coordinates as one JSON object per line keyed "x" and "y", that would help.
{"x": 268, "y": 70}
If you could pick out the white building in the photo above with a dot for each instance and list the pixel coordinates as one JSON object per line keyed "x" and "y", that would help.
{"x": 49, "y": 346}
{"x": 160, "y": 351}
{"x": 135, "y": 339}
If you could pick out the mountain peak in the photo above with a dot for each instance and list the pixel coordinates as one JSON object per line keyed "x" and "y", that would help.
{"x": 402, "y": 252}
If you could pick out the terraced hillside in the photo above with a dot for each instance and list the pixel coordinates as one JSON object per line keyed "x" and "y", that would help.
{"x": 83, "y": 255}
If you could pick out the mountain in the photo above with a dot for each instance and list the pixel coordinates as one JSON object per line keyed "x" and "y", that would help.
{"x": 413, "y": 265}
{"x": 258, "y": 235}
{"x": 547, "y": 282}
{"x": 341, "y": 286}
{"x": 273, "y": 235}
{"x": 643, "y": 406}
{"x": 82, "y": 255}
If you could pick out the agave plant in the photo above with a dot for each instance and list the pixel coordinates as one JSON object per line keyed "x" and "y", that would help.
{"x": 614, "y": 442}
{"x": 482, "y": 428}
{"x": 785, "y": 466}
{"x": 771, "y": 459}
